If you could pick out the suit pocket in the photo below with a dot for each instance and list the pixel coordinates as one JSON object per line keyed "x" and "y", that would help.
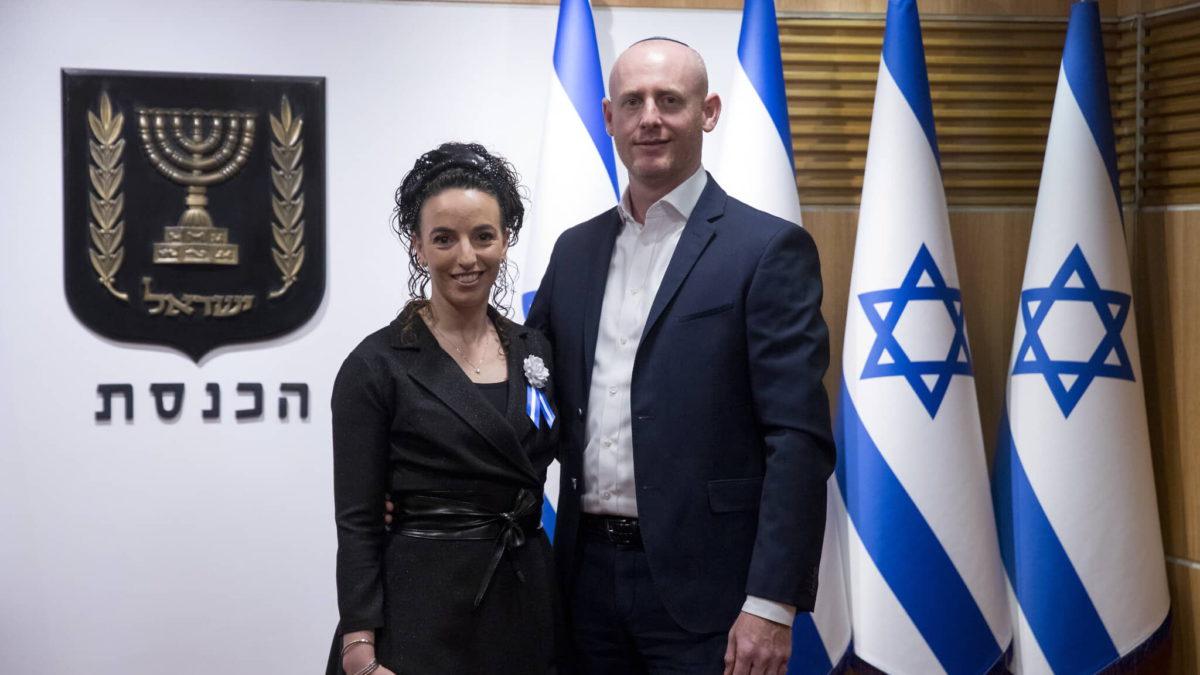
{"x": 707, "y": 312}
{"x": 734, "y": 494}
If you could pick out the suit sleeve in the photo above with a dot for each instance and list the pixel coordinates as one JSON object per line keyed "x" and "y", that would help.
{"x": 361, "y": 420}
{"x": 788, "y": 353}
{"x": 539, "y": 311}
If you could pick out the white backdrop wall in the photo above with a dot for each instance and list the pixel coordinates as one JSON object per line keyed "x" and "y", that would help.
{"x": 208, "y": 547}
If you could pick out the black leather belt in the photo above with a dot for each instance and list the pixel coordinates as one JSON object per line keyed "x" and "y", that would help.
{"x": 619, "y": 531}
{"x": 448, "y": 516}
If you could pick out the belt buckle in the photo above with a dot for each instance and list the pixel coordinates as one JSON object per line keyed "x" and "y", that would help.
{"x": 620, "y": 531}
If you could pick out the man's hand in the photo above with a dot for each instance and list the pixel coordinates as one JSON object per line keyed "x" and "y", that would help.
{"x": 757, "y": 647}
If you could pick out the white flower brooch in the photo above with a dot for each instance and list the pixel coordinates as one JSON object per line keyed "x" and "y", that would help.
{"x": 536, "y": 372}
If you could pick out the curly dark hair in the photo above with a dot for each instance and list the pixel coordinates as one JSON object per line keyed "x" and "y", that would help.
{"x": 466, "y": 166}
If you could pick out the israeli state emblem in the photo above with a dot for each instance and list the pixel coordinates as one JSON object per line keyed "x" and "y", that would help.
{"x": 193, "y": 206}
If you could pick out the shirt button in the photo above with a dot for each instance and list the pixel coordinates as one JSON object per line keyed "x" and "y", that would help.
{"x": 607, "y": 494}
{"x": 607, "y": 443}
{"x": 612, "y": 391}
{"x": 623, "y": 340}
{"x": 633, "y": 292}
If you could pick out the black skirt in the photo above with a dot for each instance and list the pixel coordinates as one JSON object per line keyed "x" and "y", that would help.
{"x": 431, "y": 626}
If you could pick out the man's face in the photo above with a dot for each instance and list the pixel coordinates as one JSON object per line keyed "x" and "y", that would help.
{"x": 659, "y": 112}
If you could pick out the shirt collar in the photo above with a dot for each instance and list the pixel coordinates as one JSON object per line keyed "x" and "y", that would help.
{"x": 683, "y": 198}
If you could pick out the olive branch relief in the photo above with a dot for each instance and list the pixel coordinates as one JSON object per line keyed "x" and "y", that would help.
{"x": 106, "y": 202}
{"x": 287, "y": 201}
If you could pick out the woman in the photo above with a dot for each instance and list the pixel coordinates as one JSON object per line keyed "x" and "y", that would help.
{"x": 432, "y": 411}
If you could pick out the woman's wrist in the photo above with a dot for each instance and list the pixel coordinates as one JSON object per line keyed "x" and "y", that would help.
{"x": 358, "y": 651}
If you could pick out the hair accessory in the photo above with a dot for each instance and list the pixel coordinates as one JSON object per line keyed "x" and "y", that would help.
{"x": 448, "y": 154}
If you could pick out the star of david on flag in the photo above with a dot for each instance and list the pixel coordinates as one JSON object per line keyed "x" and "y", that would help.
{"x": 1068, "y": 380}
{"x": 929, "y": 379}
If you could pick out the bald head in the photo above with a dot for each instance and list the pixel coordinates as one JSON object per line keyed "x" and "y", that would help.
{"x": 658, "y": 113}
{"x": 661, "y": 53}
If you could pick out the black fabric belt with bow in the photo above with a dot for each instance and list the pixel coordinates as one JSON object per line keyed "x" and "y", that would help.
{"x": 462, "y": 516}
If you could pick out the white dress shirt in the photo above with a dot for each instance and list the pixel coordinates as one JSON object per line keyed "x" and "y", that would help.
{"x": 639, "y": 261}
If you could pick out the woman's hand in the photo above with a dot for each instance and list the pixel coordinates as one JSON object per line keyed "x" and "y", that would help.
{"x": 378, "y": 671}
{"x": 355, "y": 664}
{"x": 358, "y": 658}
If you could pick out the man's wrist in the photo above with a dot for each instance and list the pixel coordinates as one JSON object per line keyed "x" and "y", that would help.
{"x": 770, "y": 610}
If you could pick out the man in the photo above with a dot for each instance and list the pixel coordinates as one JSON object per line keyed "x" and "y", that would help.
{"x": 689, "y": 349}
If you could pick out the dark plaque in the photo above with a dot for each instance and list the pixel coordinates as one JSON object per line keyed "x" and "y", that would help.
{"x": 194, "y": 205}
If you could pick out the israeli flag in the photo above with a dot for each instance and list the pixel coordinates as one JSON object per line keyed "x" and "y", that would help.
{"x": 1073, "y": 485}
{"x": 756, "y": 163}
{"x": 755, "y": 166}
{"x": 577, "y": 172}
{"x": 926, "y": 582}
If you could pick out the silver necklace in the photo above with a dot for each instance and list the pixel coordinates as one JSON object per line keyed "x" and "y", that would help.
{"x": 462, "y": 353}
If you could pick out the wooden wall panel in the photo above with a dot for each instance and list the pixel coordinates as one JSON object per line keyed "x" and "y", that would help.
{"x": 990, "y": 249}
{"x": 1171, "y": 159}
{"x": 992, "y": 85}
{"x": 834, "y": 231}
{"x": 1185, "y": 616}
{"x": 1167, "y": 285}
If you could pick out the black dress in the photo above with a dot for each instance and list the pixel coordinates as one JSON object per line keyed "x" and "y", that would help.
{"x": 463, "y": 582}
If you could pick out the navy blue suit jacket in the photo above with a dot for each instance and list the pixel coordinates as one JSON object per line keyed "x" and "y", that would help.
{"x": 731, "y": 433}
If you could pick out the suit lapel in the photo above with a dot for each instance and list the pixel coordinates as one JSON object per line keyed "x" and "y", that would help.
{"x": 697, "y": 232}
{"x": 438, "y": 373}
{"x": 595, "y": 279}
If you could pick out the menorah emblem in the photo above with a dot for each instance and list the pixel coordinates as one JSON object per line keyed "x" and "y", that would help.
{"x": 179, "y": 147}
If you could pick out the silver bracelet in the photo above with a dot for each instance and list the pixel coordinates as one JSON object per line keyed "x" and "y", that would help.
{"x": 346, "y": 647}
{"x": 369, "y": 668}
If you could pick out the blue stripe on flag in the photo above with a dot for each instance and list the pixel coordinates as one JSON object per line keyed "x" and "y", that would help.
{"x": 1083, "y": 63}
{"x": 1052, "y": 597}
{"x": 808, "y": 651}
{"x": 577, "y": 63}
{"x": 758, "y": 52}
{"x": 549, "y": 517}
{"x": 908, "y": 553}
{"x": 904, "y": 54}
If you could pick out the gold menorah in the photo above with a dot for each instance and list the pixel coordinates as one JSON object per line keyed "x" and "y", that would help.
{"x": 177, "y": 145}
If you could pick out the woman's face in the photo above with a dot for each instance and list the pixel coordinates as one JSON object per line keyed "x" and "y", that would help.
{"x": 461, "y": 241}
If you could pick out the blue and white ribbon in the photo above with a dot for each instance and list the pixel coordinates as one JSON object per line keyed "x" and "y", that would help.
{"x": 537, "y": 406}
